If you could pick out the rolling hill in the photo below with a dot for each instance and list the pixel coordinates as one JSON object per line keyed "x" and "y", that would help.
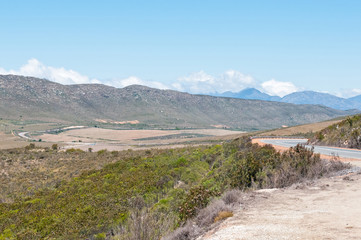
{"x": 31, "y": 98}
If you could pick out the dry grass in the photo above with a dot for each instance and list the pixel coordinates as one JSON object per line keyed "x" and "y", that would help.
{"x": 8, "y": 141}
{"x": 301, "y": 129}
{"x": 187, "y": 232}
{"x": 232, "y": 197}
{"x": 223, "y": 215}
{"x": 207, "y": 215}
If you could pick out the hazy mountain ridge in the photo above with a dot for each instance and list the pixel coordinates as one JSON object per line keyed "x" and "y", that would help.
{"x": 33, "y": 98}
{"x": 250, "y": 93}
{"x": 304, "y": 97}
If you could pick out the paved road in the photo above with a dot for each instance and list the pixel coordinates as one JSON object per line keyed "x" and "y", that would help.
{"x": 23, "y": 135}
{"x": 331, "y": 151}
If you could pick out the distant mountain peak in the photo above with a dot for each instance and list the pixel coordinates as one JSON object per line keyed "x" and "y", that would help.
{"x": 250, "y": 93}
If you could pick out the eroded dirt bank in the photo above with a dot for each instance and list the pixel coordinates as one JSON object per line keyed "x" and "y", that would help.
{"x": 328, "y": 208}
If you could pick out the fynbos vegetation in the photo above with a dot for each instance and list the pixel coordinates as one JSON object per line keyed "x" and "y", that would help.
{"x": 144, "y": 195}
{"x": 344, "y": 134}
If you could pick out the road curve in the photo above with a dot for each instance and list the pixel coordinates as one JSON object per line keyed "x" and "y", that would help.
{"x": 324, "y": 150}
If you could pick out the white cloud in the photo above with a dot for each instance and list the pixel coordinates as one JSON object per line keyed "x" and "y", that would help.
{"x": 177, "y": 86}
{"x": 35, "y": 68}
{"x": 349, "y": 93}
{"x": 355, "y": 92}
{"x": 273, "y": 87}
{"x": 132, "y": 80}
{"x": 198, "y": 82}
{"x": 201, "y": 82}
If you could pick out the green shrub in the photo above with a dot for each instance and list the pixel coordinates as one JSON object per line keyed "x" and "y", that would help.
{"x": 74, "y": 150}
{"x": 196, "y": 199}
{"x": 100, "y": 236}
{"x": 103, "y": 151}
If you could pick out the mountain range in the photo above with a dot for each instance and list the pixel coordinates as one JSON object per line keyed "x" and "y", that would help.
{"x": 29, "y": 98}
{"x": 304, "y": 97}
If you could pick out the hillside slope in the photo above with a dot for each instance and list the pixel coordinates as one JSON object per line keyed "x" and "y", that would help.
{"x": 344, "y": 134}
{"x": 38, "y": 99}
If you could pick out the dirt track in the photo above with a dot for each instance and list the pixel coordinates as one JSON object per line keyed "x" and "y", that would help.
{"x": 327, "y": 209}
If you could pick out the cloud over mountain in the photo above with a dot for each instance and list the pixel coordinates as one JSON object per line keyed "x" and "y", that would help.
{"x": 133, "y": 80}
{"x": 35, "y": 68}
{"x": 276, "y": 88}
{"x": 197, "y": 82}
{"x": 201, "y": 82}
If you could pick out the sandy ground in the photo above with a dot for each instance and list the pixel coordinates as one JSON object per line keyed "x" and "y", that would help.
{"x": 326, "y": 209}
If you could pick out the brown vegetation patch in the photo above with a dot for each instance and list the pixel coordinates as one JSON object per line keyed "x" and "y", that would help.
{"x": 301, "y": 129}
{"x": 223, "y": 215}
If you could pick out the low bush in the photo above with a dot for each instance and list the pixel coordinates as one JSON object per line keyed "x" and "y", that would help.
{"x": 139, "y": 194}
{"x": 207, "y": 216}
{"x": 197, "y": 198}
{"x": 232, "y": 197}
{"x": 346, "y": 133}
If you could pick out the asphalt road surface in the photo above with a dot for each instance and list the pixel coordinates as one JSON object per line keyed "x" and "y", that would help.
{"x": 331, "y": 151}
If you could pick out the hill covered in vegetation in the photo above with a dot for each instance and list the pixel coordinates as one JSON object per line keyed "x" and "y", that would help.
{"x": 347, "y": 133}
{"x": 137, "y": 195}
{"x": 30, "y": 99}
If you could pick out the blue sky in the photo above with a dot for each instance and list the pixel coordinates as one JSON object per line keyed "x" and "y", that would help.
{"x": 195, "y": 46}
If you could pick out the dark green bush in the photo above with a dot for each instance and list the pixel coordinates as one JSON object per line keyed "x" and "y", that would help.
{"x": 196, "y": 199}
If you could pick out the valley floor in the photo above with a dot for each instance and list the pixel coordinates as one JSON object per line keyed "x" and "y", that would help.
{"x": 328, "y": 208}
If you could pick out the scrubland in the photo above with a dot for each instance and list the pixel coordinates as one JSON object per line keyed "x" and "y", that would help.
{"x": 346, "y": 133}
{"x": 146, "y": 194}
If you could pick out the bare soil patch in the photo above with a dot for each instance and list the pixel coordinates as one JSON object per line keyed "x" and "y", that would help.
{"x": 328, "y": 208}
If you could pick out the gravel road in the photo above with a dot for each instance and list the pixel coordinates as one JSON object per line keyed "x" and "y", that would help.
{"x": 326, "y": 209}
